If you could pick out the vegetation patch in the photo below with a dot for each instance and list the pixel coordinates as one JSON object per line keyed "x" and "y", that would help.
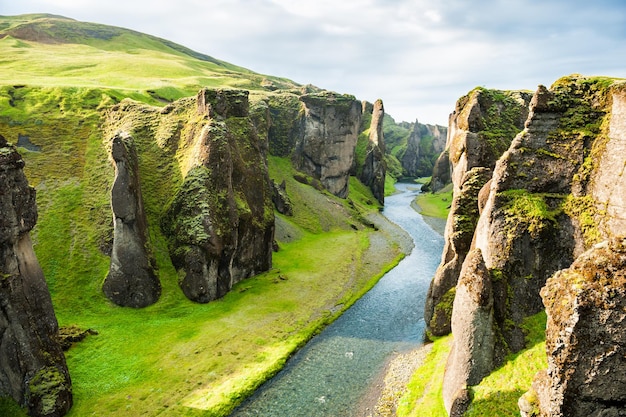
{"x": 424, "y": 392}
{"x": 585, "y": 211}
{"x": 536, "y": 211}
{"x": 498, "y": 393}
{"x": 435, "y": 204}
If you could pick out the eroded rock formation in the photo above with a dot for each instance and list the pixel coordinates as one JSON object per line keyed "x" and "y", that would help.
{"x": 220, "y": 224}
{"x": 132, "y": 280}
{"x": 585, "y": 339}
{"x": 537, "y": 213}
{"x": 209, "y": 182}
{"x": 586, "y": 303}
{"x": 425, "y": 142}
{"x": 481, "y": 128}
{"x": 374, "y": 168}
{"x": 327, "y": 136}
{"x": 32, "y": 366}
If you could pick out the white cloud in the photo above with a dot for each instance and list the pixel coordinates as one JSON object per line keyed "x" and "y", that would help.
{"x": 419, "y": 56}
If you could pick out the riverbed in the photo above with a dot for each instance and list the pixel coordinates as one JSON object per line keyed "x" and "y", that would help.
{"x": 337, "y": 368}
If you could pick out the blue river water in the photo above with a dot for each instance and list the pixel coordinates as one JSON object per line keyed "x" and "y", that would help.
{"x": 332, "y": 373}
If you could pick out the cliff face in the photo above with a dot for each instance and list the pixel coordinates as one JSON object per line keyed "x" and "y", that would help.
{"x": 481, "y": 128}
{"x": 585, "y": 339}
{"x": 219, "y": 223}
{"x": 538, "y": 212}
{"x": 374, "y": 167}
{"x": 327, "y": 135}
{"x": 33, "y": 369}
{"x": 423, "y": 146}
{"x": 585, "y": 303}
{"x": 132, "y": 279}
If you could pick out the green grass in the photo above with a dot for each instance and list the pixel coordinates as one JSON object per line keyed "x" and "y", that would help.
{"x": 435, "y": 204}
{"x": 496, "y": 395}
{"x": 423, "y": 396}
{"x": 181, "y": 358}
{"x": 78, "y": 54}
{"x": 176, "y": 357}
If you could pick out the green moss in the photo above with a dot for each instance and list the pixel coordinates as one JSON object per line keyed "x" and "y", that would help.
{"x": 502, "y": 119}
{"x": 284, "y": 110}
{"x": 533, "y": 211}
{"x": 47, "y": 384}
{"x": 443, "y": 310}
{"x": 586, "y": 212}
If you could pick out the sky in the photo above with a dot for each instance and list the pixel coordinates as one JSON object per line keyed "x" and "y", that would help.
{"x": 418, "y": 56}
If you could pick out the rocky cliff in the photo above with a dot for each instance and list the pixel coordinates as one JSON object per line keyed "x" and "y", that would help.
{"x": 219, "y": 221}
{"x": 585, "y": 340}
{"x": 540, "y": 209}
{"x": 482, "y": 127}
{"x": 326, "y": 139}
{"x": 32, "y": 365}
{"x": 374, "y": 167}
{"x": 424, "y": 144}
{"x": 132, "y": 280}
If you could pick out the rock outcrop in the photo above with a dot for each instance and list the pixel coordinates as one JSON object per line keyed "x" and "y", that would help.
{"x": 374, "y": 168}
{"x": 220, "y": 224}
{"x": 538, "y": 212}
{"x": 132, "y": 280}
{"x": 281, "y": 200}
{"x": 481, "y": 128}
{"x": 473, "y": 327}
{"x": 585, "y": 339}
{"x": 424, "y": 145}
{"x": 327, "y": 135}
{"x": 586, "y": 303}
{"x": 32, "y": 366}
{"x": 210, "y": 186}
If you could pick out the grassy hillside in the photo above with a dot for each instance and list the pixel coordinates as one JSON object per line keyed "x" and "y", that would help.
{"x": 46, "y": 50}
{"x": 178, "y": 358}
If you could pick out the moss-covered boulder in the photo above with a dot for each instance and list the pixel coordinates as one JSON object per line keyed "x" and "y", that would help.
{"x": 585, "y": 339}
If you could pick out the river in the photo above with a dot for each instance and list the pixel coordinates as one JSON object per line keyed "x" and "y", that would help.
{"x": 331, "y": 374}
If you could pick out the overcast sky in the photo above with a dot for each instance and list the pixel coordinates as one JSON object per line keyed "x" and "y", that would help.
{"x": 419, "y": 56}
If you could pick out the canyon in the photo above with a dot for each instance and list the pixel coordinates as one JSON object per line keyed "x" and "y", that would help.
{"x": 157, "y": 205}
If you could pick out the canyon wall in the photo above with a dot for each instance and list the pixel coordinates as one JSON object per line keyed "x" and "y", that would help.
{"x": 217, "y": 213}
{"x": 423, "y": 144}
{"x": 482, "y": 127}
{"x": 32, "y": 365}
{"x": 374, "y": 167}
{"x": 326, "y": 140}
{"x": 551, "y": 196}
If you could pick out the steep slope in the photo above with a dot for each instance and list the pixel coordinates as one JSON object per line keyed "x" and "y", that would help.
{"x": 540, "y": 213}
{"x": 482, "y": 127}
